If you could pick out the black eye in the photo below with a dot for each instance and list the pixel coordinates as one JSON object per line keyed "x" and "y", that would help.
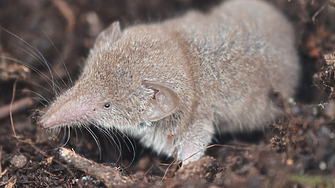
{"x": 107, "y": 105}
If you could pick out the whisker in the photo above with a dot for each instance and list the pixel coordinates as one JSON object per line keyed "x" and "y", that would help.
{"x": 134, "y": 152}
{"x": 132, "y": 146}
{"x": 69, "y": 134}
{"x": 112, "y": 134}
{"x": 39, "y": 86}
{"x": 118, "y": 142}
{"x": 37, "y": 51}
{"x": 56, "y": 132}
{"x": 39, "y": 95}
{"x": 94, "y": 137}
{"x": 80, "y": 129}
{"x": 45, "y": 65}
{"x": 32, "y": 111}
{"x": 66, "y": 129}
{"x": 40, "y": 73}
{"x": 75, "y": 130}
{"x": 122, "y": 136}
{"x": 39, "y": 100}
{"x": 63, "y": 63}
{"x": 111, "y": 139}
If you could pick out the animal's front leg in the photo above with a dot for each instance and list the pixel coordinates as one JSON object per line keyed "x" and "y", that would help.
{"x": 193, "y": 143}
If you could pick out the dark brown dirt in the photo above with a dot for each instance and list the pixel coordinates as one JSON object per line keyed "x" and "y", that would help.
{"x": 297, "y": 151}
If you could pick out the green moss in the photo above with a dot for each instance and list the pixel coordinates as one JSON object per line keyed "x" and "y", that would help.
{"x": 313, "y": 181}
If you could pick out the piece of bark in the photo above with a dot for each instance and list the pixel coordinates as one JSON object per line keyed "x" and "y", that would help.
{"x": 17, "y": 106}
{"x": 108, "y": 175}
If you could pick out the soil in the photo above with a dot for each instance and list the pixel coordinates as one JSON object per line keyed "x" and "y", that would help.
{"x": 296, "y": 151}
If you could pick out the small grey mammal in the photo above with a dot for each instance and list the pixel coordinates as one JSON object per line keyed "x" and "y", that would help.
{"x": 176, "y": 83}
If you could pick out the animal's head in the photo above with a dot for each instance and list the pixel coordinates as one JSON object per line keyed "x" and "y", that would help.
{"x": 116, "y": 87}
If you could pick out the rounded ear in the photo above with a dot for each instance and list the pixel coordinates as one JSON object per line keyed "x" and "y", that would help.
{"x": 109, "y": 35}
{"x": 163, "y": 102}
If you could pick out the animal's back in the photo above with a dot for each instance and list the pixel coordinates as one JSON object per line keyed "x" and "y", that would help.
{"x": 245, "y": 51}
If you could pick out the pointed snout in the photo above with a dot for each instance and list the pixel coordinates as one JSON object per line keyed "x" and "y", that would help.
{"x": 67, "y": 113}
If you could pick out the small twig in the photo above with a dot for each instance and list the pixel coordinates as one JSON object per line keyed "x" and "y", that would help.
{"x": 66, "y": 11}
{"x": 175, "y": 164}
{"x": 15, "y": 107}
{"x": 3, "y": 173}
{"x": 109, "y": 176}
{"x": 214, "y": 145}
{"x": 10, "y": 107}
{"x": 0, "y": 158}
{"x": 318, "y": 12}
{"x": 9, "y": 183}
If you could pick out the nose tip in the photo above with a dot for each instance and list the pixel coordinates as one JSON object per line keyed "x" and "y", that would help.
{"x": 42, "y": 125}
{"x": 46, "y": 122}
